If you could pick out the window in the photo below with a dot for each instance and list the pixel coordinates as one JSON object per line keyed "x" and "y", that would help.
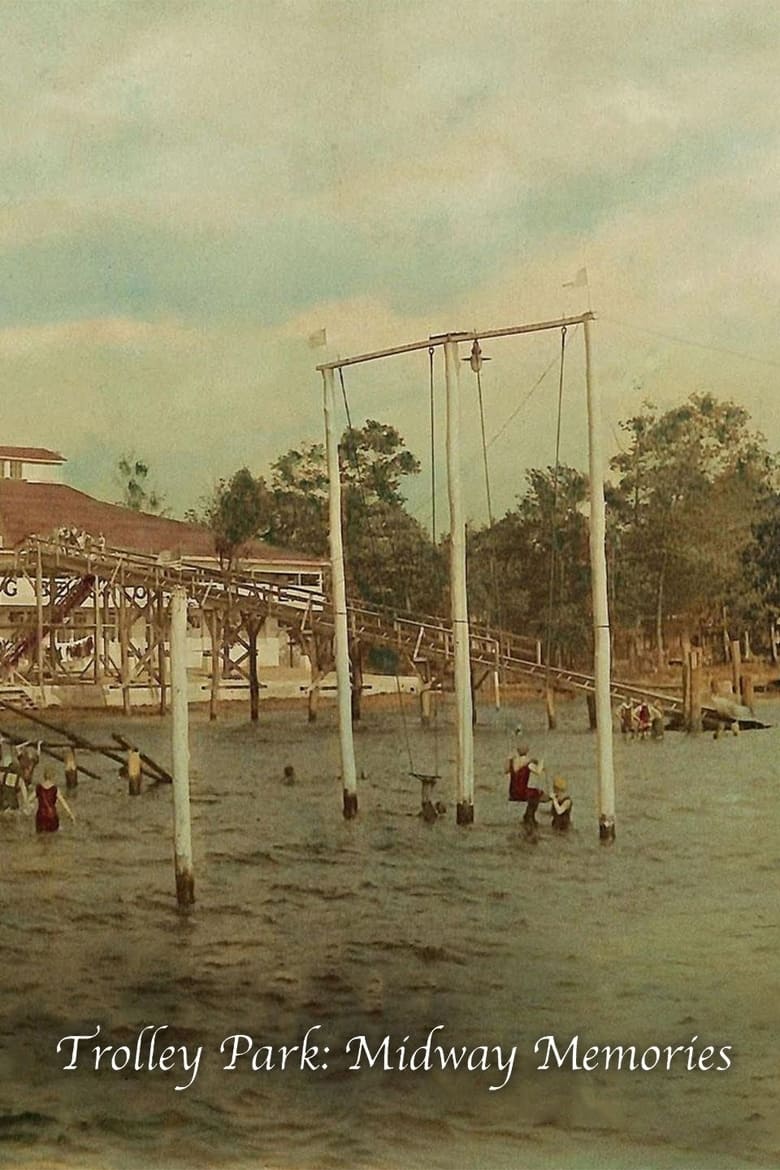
{"x": 16, "y": 469}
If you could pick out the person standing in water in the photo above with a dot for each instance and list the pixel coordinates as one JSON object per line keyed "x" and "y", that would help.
{"x": 13, "y": 791}
{"x": 46, "y": 817}
{"x": 523, "y": 772}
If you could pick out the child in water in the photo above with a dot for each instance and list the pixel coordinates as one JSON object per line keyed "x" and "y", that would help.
{"x": 48, "y": 797}
{"x": 561, "y": 805}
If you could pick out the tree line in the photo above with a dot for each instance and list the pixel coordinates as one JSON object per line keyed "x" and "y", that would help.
{"x": 693, "y": 533}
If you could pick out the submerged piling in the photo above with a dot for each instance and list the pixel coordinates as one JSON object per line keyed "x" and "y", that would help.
{"x": 182, "y": 831}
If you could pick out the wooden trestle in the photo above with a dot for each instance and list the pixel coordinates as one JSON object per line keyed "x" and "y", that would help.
{"x": 131, "y": 590}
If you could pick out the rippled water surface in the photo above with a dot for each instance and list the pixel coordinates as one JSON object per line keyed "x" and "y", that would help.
{"x": 387, "y": 926}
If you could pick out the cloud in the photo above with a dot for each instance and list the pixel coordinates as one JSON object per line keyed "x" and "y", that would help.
{"x": 189, "y": 191}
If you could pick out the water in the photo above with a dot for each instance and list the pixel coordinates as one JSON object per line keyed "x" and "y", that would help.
{"x": 387, "y": 926}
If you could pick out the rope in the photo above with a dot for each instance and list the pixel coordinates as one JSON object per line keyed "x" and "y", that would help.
{"x": 476, "y": 359}
{"x": 433, "y": 446}
{"x": 554, "y": 518}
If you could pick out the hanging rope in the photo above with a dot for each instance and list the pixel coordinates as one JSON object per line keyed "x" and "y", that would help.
{"x": 554, "y": 517}
{"x": 476, "y": 361}
{"x": 431, "y": 352}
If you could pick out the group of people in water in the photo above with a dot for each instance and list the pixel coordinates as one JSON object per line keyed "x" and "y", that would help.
{"x": 526, "y": 785}
{"x": 17, "y": 794}
{"x": 640, "y": 720}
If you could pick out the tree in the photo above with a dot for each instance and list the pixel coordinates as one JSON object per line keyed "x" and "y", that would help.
{"x": 530, "y": 571}
{"x": 238, "y": 511}
{"x": 133, "y": 475}
{"x": 688, "y": 490}
{"x": 390, "y": 559}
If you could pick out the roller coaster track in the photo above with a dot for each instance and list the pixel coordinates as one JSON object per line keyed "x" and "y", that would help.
{"x": 426, "y": 642}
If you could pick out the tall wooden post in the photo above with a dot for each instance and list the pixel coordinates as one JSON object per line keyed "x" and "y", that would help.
{"x": 549, "y": 702}
{"x": 124, "y": 650}
{"x": 458, "y": 597}
{"x": 252, "y": 628}
{"x": 53, "y": 663}
{"x": 736, "y": 666}
{"x": 339, "y": 593}
{"x": 590, "y": 699}
{"x": 98, "y": 635}
{"x": 214, "y": 630}
{"x": 356, "y": 657}
{"x": 601, "y": 642}
{"x": 106, "y": 648}
{"x": 39, "y": 621}
{"x": 747, "y": 694}
{"x": 161, "y": 656}
{"x": 425, "y": 704}
{"x": 695, "y": 684}
{"x": 182, "y": 833}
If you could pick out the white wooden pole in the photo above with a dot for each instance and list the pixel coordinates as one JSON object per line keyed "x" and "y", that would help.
{"x": 182, "y": 834}
{"x": 458, "y": 600}
{"x": 338, "y": 588}
{"x": 598, "y": 563}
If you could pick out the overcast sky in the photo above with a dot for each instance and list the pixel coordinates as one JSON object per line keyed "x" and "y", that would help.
{"x": 190, "y": 189}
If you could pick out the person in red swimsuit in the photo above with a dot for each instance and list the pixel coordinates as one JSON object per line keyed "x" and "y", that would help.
{"x": 46, "y": 817}
{"x": 523, "y": 772}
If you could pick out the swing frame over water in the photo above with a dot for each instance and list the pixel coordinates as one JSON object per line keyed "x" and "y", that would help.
{"x": 459, "y": 601}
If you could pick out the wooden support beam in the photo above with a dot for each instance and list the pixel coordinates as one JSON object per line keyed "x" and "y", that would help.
{"x": 124, "y": 650}
{"x": 253, "y": 624}
{"x": 182, "y": 831}
{"x": 162, "y": 662}
{"x": 215, "y": 631}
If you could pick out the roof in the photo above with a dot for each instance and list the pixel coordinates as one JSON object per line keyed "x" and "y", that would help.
{"x": 28, "y": 509}
{"x": 31, "y": 454}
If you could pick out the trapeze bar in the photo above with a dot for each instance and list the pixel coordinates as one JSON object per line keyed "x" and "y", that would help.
{"x": 441, "y": 338}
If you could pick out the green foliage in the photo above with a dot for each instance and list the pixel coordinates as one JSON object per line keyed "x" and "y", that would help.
{"x": 237, "y": 512}
{"x": 537, "y": 553}
{"x": 132, "y": 475}
{"x": 689, "y": 488}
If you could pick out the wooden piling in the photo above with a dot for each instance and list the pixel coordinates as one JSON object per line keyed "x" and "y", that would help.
{"x": 425, "y": 705}
{"x": 356, "y": 679}
{"x": 124, "y": 650}
{"x": 39, "y": 624}
{"x": 313, "y": 700}
{"x": 695, "y": 676}
{"x": 590, "y": 699}
{"x": 252, "y": 630}
{"x": 98, "y": 661}
{"x": 71, "y": 769}
{"x": 214, "y": 630}
{"x": 748, "y": 697}
{"x": 133, "y": 773}
{"x": 182, "y": 832}
{"x": 736, "y": 665}
{"x": 549, "y": 702}
{"x": 161, "y": 656}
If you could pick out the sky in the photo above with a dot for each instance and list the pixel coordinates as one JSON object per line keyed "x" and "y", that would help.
{"x": 189, "y": 190}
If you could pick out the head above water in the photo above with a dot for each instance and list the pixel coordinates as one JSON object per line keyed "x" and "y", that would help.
{"x": 48, "y": 778}
{"x": 559, "y": 784}
{"x": 522, "y": 748}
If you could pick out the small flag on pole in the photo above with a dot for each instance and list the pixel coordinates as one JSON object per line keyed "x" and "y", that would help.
{"x": 580, "y": 280}
{"x": 317, "y": 339}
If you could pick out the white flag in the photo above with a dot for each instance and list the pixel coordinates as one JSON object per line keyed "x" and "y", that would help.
{"x": 317, "y": 339}
{"x": 580, "y": 280}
